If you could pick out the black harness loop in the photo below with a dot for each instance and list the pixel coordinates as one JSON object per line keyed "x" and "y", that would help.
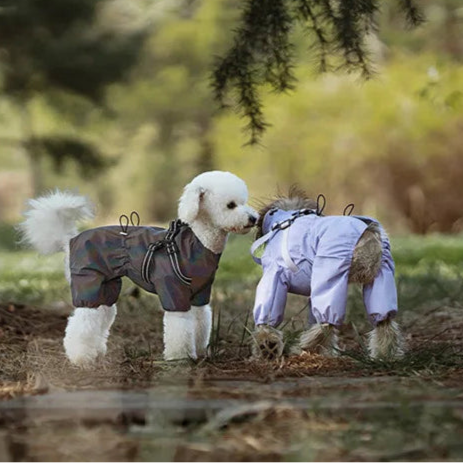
{"x": 124, "y": 226}
{"x": 134, "y": 215}
{"x": 124, "y": 222}
{"x": 348, "y": 209}
{"x": 172, "y": 251}
{"x": 320, "y": 209}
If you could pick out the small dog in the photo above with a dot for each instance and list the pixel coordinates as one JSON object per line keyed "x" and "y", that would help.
{"x": 178, "y": 264}
{"x": 313, "y": 255}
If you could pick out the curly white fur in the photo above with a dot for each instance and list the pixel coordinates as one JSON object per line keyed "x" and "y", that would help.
{"x": 213, "y": 204}
{"x": 179, "y": 335}
{"x": 204, "y": 206}
{"x": 87, "y": 332}
{"x": 203, "y": 326}
{"x": 51, "y": 220}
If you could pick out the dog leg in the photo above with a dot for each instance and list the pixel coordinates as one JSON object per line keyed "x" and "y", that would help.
{"x": 267, "y": 343}
{"x": 179, "y": 335}
{"x": 87, "y": 332}
{"x": 203, "y": 325}
{"x": 386, "y": 341}
{"x": 321, "y": 339}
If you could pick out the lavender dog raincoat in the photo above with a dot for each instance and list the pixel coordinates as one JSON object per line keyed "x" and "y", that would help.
{"x": 100, "y": 257}
{"x": 312, "y": 257}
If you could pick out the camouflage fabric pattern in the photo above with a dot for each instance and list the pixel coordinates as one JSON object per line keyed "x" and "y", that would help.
{"x": 100, "y": 257}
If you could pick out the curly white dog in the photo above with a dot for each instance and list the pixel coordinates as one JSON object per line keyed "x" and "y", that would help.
{"x": 178, "y": 264}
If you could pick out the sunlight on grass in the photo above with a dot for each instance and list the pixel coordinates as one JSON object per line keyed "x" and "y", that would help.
{"x": 427, "y": 269}
{"x": 26, "y": 277}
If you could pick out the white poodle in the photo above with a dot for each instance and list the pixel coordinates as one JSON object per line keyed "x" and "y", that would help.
{"x": 178, "y": 264}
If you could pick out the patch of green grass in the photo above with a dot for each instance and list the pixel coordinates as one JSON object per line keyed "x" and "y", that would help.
{"x": 427, "y": 272}
{"x": 413, "y": 249}
{"x": 419, "y": 287}
{"x": 28, "y": 278}
{"x": 236, "y": 263}
{"x": 8, "y": 237}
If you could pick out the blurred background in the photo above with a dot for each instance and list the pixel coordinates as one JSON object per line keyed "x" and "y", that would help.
{"x": 112, "y": 98}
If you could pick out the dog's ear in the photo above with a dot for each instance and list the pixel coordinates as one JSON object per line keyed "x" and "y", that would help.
{"x": 188, "y": 206}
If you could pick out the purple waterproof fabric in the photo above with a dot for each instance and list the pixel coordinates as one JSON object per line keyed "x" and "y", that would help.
{"x": 322, "y": 248}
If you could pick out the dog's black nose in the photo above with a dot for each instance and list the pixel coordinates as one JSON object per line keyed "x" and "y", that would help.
{"x": 252, "y": 220}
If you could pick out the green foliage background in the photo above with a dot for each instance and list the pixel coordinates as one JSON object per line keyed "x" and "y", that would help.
{"x": 393, "y": 145}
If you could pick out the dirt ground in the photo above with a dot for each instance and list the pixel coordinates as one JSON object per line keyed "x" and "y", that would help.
{"x": 301, "y": 408}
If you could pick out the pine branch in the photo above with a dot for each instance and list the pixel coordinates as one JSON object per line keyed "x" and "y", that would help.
{"x": 413, "y": 15}
{"x": 263, "y": 52}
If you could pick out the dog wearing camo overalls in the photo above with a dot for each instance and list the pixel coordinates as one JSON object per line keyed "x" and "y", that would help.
{"x": 318, "y": 256}
{"x": 178, "y": 264}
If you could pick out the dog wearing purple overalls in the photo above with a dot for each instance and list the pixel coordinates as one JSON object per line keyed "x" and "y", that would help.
{"x": 177, "y": 264}
{"x": 318, "y": 256}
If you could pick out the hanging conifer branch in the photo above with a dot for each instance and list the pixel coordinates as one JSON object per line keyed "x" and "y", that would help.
{"x": 263, "y": 53}
{"x": 412, "y": 13}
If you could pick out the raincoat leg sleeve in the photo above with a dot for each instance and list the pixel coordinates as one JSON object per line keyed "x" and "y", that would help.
{"x": 271, "y": 295}
{"x": 380, "y": 297}
{"x": 330, "y": 277}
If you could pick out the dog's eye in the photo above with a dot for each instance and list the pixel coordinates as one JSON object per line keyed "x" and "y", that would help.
{"x": 231, "y": 205}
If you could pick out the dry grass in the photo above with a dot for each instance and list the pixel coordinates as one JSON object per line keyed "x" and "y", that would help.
{"x": 70, "y": 442}
{"x": 33, "y": 360}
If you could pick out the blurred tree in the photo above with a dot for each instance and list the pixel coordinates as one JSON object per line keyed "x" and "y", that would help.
{"x": 426, "y": 190}
{"x": 263, "y": 48}
{"x": 440, "y": 33}
{"x": 376, "y": 144}
{"x": 50, "y": 46}
{"x": 170, "y": 90}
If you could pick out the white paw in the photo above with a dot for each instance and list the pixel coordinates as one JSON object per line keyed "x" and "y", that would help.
{"x": 83, "y": 353}
{"x": 179, "y": 336}
{"x": 183, "y": 351}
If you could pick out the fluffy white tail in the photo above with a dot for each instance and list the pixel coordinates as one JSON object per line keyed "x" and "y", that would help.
{"x": 50, "y": 221}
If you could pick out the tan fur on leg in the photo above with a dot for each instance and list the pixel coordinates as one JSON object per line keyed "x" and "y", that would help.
{"x": 386, "y": 341}
{"x": 267, "y": 343}
{"x": 320, "y": 339}
{"x": 366, "y": 259}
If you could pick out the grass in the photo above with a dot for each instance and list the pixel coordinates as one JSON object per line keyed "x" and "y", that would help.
{"x": 27, "y": 278}
{"x": 34, "y": 304}
{"x": 434, "y": 259}
{"x": 412, "y": 250}
{"x": 429, "y": 274}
